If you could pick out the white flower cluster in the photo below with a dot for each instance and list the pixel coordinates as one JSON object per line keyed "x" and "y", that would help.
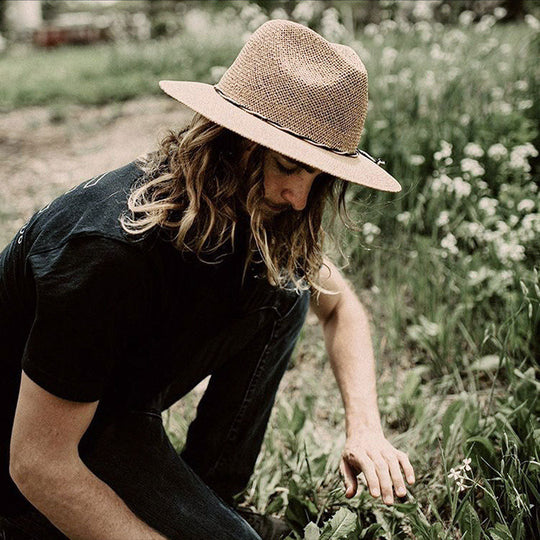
{"x": 457, "y": 185}
{"x": 305, "y": 11}
{"x": 488, "y": 205}
{"x": 443, "y": 219}
{"x": 253, "y": 16}
{"x": 460, "y": 476}
{"x": 471, "y": 167}
{"x": 404, "y": 217}
{"x": 532, "y": 21}
{"x": 389, "y": 55}
{"x": 473, "y": 150}
{"x": 330, "y": 27}
{"x": 503, "y": 278}
{"x": 444, "y": 152}
{"x": 369, "y": 230}
{"x": 519, "y": 155}
{"x": 497, "y": 151}
{"x": 449, "y": 243}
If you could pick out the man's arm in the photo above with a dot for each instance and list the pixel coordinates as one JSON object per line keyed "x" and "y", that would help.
{"x": 45, "y": 465}
{"x": 348, "y": 342}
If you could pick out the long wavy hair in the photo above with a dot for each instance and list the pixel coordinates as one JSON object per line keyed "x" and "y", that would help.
{"x": 194, "y": 188}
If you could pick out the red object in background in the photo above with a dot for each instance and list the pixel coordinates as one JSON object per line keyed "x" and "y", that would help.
{"x": 51, "y": 36}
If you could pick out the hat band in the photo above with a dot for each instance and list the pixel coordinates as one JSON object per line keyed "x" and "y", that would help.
{"x": 377, "y": 161}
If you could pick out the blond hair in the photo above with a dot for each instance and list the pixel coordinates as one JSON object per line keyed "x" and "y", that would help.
{"x": 193, "y": 186}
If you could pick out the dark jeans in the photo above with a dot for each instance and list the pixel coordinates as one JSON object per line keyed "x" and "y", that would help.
{"x": 189, "y": 496}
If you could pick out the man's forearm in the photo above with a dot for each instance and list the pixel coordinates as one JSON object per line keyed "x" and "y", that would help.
{"x": 348, "y": 342}
{"x": 80, "y": 504}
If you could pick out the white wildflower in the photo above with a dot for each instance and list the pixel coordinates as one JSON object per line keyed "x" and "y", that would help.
{"x": 389, "y": 55}
{"x": 443, "y": 219}
{"x": 509, "y": 252}
{"x": 305, "y": 11}
{"x": 525, "y": 205}
{"x": 472, "y": 167}
{"x": 453, "y": 474}
{"x": 521, "y": 85}
{"x": 461, "y": 187}
{"x": 497, "y": 151}
{"x": 497, "y": 93}
{"x": 532, "y": 21}
{"x": 485, "y": 23}
{"x": 461, "y": 485}
{"x": 388, "y": 25}
{"x": 480, "y": 184}
{"x": 330, "y": 27}
{"x": 524, "y": 104}
{"x": 465, "y": 119}
{"x": 423, "y": 10}
{"x": 519, "y": 155}
{"x": 444, "y": 152}
{"x": 216, "y": 72}
{"x": 437, "y": 185}
{"x": 488, "y": 205}
{"x": 371, "y": 29}
{"x": 502, "y": 226}
{"x": 279, "y": 13}
{"x": 467, "y": 464}
{"x": 513, "y": 220}
{"x": 473, "y": 150}
{"x": 499, "y": 12}
{"x": 503, "y": 107}
{"x": 531, "y": 222}
{"x": 416, "y": 159}
{"x": 370, "y": 231}
{"x": 466, "y": 18}
{"x": 449, "y": 243}
{"x": 404, "y": 217}
{"x": 474, "y": 230}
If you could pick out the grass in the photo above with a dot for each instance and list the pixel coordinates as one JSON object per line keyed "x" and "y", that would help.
{"x": 448, "y": 269}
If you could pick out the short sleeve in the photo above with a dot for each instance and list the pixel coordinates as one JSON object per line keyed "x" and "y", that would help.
{"x": 88, "y": 296}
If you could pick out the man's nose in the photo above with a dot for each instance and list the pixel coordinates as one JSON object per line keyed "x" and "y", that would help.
{"x": 297, "y": 192}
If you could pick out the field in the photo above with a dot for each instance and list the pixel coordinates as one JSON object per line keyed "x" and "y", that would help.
{"x": 448, "y": 268}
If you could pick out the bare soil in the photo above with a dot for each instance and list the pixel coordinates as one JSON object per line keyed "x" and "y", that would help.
{"x": 44, "y": 151}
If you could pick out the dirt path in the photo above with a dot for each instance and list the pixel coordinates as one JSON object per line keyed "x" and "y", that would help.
{"x": 44, "y": 151}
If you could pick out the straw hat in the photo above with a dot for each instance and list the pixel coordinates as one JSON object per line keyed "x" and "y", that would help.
{"x": 293, "y": 91}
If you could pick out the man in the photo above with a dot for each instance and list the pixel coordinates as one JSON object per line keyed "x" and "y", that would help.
{"x": 200, "y": 259}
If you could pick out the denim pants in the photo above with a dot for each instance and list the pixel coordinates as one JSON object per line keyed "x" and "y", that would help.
{"x": 189, "y": 496}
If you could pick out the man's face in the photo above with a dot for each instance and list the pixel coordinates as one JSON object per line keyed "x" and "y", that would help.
{"x": 287, "y": 182}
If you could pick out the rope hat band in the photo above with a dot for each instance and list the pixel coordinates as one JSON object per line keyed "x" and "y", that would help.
{"x": 291, "y": 90}
{"x": 378, "y": 161}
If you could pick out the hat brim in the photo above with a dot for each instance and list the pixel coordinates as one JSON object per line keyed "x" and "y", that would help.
{"x": 204, "y": 99}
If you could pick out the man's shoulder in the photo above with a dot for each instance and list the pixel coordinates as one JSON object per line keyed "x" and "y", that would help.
{"x": 92, "y": 208}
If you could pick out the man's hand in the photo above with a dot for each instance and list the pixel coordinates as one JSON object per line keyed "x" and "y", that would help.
{"x": 369, "y": 452}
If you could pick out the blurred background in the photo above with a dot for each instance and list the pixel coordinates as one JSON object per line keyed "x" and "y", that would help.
{"x": 448, "y": 268}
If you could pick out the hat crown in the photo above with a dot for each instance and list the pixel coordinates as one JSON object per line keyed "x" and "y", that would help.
{"x": 293, "y": 77}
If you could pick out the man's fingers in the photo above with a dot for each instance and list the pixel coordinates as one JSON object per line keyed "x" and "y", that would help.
{"x": 365, "y": 464}
{"x": 349, "y": 477}
{"x": 384, "y": 479}
{"x": 406, "y": 466}
{"x": 397, "y": 478}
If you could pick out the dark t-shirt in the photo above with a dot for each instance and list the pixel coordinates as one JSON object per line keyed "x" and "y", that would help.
{"x": 92, "y": 313}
